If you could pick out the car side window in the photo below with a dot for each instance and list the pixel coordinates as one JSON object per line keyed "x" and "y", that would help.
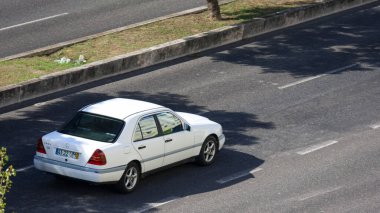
{"x": 137, "y": 136}
{"x": 169, "y": 123}
{"x": 147, "y": 127}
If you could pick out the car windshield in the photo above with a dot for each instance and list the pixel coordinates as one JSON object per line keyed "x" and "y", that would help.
{"x": 94, "y": 127}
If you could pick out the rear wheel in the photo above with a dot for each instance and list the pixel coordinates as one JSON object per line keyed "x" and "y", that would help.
{"x": 130, "y": 179}
{"x": 208, "y": 151}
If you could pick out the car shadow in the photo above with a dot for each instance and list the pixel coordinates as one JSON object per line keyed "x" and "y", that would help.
{"x": 176, "y": 182}
{"x": 33, "y": 191}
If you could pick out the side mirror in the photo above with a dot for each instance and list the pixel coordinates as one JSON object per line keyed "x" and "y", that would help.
{"x": 187, "y": 127}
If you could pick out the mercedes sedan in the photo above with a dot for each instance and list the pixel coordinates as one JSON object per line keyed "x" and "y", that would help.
{"x": 118, "y": 140}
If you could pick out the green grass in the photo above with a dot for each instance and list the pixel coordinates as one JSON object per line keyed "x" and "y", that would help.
{"x": 19, "y": 70}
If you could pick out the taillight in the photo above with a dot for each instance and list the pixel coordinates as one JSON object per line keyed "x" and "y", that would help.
{"x": 98, "y": 158}
{"x": 40, "y": 147}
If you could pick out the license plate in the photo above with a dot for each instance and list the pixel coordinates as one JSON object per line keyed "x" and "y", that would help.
{"x": 67, "y": 153}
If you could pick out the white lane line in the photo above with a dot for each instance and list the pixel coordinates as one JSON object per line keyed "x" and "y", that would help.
{"x": 316, "y": 147}
{"x": 202, "y": 112}
{"x": 318, "y": 193}
{"x": 237, "y": 176}
{"x": 40, "y": 104}
{"x": 24, "y": 168}
{"x": 375, "y": 126}
{"x": 34, "y": 21}
{"x": 150, "y": 206}
{"x": 317, "y": 76}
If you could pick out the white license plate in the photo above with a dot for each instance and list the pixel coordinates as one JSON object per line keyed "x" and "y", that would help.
{"x": 67, "y": 153}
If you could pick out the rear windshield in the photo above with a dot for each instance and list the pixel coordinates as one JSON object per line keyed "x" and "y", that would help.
{"x": 94, "y": 127}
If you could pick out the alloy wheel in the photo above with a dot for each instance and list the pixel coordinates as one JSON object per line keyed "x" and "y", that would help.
{"x": 209, "y": 151}
{"x": 131, "y": 178}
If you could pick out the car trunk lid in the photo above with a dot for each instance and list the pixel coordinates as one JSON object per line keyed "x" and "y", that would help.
{"x": 70, "y": 149}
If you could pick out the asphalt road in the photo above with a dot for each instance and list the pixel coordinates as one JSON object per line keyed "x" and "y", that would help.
{"x": 300, "y": 110}
{"x": 27, "y": 25}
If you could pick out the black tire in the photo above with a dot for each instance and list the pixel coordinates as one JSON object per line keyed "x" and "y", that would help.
{"x": 130, "y": 179}
{"x": 208, "y": 152}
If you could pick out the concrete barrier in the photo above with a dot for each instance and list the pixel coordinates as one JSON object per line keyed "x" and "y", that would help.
{"x": 169, "y": 51}
{"x": 9, "y": 95}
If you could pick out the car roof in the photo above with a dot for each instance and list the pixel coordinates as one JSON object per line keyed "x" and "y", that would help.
{"x": 120, "y": 108}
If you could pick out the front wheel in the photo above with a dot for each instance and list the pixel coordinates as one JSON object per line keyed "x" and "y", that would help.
{"x": 130, "y": 179}
{"x": 208, "y": 151}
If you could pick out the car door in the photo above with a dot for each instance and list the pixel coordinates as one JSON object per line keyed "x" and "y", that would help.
{"x": 149, "y": 143}
{"x": 178, "y": 142}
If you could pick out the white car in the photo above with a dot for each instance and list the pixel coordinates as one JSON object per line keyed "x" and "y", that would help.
{"x": 117, "y": 140}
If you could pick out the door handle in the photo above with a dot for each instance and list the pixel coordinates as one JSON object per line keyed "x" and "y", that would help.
{"x": 168, "y": 140}
{"x": 142, "y": 147}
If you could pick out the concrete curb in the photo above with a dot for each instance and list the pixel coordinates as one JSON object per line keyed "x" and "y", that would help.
{"x": 169, "y": 51}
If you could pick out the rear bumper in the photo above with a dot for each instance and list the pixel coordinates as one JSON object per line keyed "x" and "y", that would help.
{"x": 79, "y": 172}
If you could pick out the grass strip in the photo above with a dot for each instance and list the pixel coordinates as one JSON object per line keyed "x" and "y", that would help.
{"x": 240, "y": 11}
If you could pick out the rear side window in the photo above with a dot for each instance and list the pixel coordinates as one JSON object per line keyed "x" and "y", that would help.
{"x": 146, "y": 129}
{"x": 169, "y": 123}
{"x": 94, "y": 127}
{"x": 137, "y": 136}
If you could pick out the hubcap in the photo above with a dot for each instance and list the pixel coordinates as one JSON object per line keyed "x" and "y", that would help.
{"x": 131, "y": 178}
{"x": 209, "y": 151}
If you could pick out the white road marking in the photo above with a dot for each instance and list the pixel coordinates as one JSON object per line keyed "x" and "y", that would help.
{"x": 319, "y": 193}
{"x": 256, "y": 170}
{"x": 375, "y": 126}
{"x": 317, "y": 76}
{"x": 34, "y": 21}
{"x": 40, "y": 104}
{"x": 237, "y": 176}
{"x": 316, "y": 147}
{"x": 203, "y": 112}
{"x": 149, "y": 206}
{"x": 24, "y": 168}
